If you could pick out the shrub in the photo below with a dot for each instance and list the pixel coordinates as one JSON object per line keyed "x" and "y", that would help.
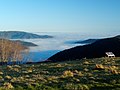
{"x": 8, "y": 77}
{"x": 85, "y": 87}
{"x": 30, "y": 87}
{"x": 80, "y": 74}
{"x": 58, "y": 65}
{"x": 86, "y": 62}
{"x": 71, "y": 86}
{"x": 68, "y": 74}
{"x": 99, "y": 67}
{"x": 8, "y": 85}
{"x": 1, "y": 73}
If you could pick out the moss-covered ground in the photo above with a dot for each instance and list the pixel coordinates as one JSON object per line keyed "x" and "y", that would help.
{"x": 85, "y": 74}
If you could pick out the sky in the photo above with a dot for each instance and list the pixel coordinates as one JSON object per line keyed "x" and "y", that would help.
{"x": 60, "y": 15}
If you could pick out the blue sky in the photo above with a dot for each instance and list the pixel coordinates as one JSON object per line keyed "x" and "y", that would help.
{"x": 60, "y": 15}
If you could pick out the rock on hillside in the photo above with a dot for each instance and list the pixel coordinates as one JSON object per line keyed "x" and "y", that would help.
{"x": 94, "y": 50}
{"x": 21, "y": 35}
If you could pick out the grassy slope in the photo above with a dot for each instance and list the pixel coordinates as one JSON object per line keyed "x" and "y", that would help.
{"x": 68, "y": 75}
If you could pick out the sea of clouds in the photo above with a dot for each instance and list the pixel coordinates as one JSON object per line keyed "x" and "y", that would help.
{"x": 50, "y": 46}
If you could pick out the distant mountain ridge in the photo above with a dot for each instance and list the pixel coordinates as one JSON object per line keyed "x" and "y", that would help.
{"x": 21, "y": 35}
{"x": 23, "y": 43}
{"x": 27, "y": 44}
{"x": 94, "y": 50}
{"x": 88, "y": 41}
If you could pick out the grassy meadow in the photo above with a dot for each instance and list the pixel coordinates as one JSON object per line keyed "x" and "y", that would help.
{"x": 85, "y": 74}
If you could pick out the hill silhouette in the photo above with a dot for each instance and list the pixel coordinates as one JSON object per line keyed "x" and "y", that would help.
{"x": 88, "y": 41}
{"x": 27, "y": 44}
{"x": 94, "y": 50}
{"x": 21, "y": 35}
{"x": 24, "y": 43}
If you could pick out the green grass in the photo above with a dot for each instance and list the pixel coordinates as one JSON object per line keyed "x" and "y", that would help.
{"x": 69, "y": 75}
